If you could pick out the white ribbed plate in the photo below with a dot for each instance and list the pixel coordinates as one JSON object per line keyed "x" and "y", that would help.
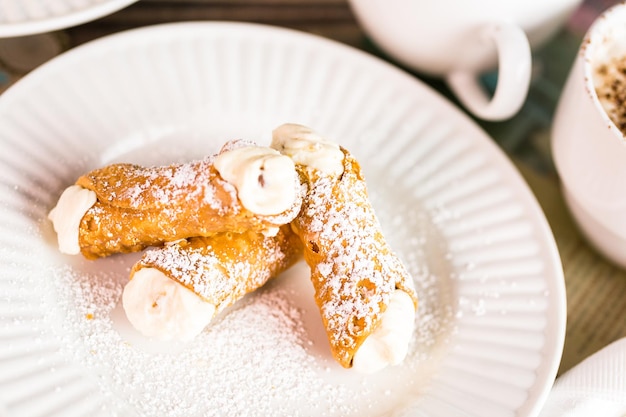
{"x": 490, "y": 327}
{"x": 28, "y": 17}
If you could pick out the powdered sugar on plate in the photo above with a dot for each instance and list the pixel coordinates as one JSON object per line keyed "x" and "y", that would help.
{"x": 251, "y": 361}
{"x": 266, "y": 355}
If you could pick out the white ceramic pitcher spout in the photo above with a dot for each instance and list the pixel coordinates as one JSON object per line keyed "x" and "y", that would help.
{"x": 514, "y": 67}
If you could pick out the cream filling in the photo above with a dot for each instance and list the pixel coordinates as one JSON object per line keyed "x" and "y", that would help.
{"x": 161, "y": 308}
{"x": 67, "y": 214}
{"x": 389, "y": 342}
{"x": 265, "y": 179}
{"x": 307, "y": 148}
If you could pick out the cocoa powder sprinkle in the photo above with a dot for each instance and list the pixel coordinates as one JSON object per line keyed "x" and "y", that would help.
{"x": 610, "y": 86}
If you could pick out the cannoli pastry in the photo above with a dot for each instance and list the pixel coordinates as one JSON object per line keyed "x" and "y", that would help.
{"x": 175, "y": 290}
{"x": 126, "y": 208}
{"x": 365, "y": 294}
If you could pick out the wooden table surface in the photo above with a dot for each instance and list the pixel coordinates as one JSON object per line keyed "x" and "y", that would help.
{"x": 329, "y": 18}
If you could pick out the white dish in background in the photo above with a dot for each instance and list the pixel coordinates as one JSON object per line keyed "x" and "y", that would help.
{"x": 491, "y": 322}
{"x": 585, "y": 134}
{"x": 28, "y": 17}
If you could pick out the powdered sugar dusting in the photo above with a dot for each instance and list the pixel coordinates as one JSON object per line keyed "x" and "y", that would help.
{"x": 139, "y": 187}
{"x": 200, "y": 263}
{"x": 412, "y": 231}
{"x": 261, "y": 356}
{"x": 141, "y": 206}
{"x": 353, "y": 269}
{"x": 252, "y": 361}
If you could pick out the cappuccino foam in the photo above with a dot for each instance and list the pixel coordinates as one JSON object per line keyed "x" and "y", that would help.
{"x": 610, "y": 85}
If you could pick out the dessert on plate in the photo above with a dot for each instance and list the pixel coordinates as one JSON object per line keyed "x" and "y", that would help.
{"x": 175, "y": 290}
{"x": 223, "y": 226}
{"x": 364, "y": 293}
{"x": 125, "y": 208}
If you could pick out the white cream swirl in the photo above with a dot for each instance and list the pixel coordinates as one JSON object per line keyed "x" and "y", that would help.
{"x": 160, "y": 307}
{"x": 265, "y": 179}
{"x": 67, "y": 214}
{"x": 389, "y": 342}
{"x": 307, "y": 148}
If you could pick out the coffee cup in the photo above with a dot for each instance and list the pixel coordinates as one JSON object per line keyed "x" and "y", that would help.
{"x": 588, "y": 135}
{"x": 457, "y": 40}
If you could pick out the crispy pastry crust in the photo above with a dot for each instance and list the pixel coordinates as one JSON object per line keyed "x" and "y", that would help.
{"x": 139, "y": 206}
{"x": 353, "y": 269}
{"x": 223, "y": 268}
